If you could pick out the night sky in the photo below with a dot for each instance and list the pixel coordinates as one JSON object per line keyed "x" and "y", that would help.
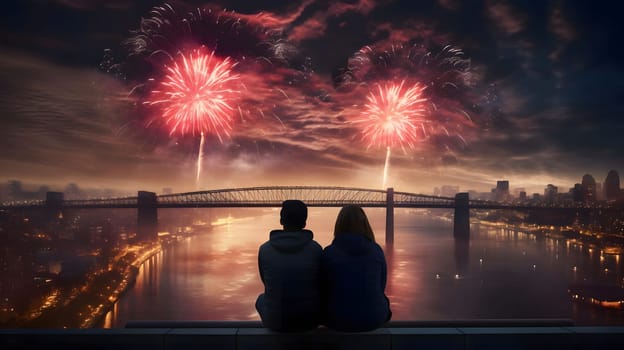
{"x": 541, "y": 101}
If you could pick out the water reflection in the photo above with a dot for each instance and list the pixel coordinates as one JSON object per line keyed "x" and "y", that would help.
{"x": 462, "y": 256}
{"x": 499, "y": 273}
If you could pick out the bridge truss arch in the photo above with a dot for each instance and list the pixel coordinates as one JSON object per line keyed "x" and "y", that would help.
{"x": 313, "y": 196}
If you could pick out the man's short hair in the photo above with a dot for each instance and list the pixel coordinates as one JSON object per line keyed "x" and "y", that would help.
{"x": 294, "y": 213}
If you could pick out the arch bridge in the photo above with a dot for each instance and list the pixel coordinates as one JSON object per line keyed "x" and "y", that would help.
{"x": 147, "y": 203}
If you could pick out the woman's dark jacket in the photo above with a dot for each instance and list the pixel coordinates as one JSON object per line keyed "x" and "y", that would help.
{"x": 354, "y": 271}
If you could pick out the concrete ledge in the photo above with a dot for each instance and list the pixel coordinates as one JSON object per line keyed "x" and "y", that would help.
{"x": 321, "y": 338}
{"x": 119, "y": 339}
{"x": 204, "y": 338}
{"x": 253, "y": 337}
{"x": 520, "y": 338}
{"x": 598, "y": 337}
{"x": 427, "y": 338}
{"x": 520, "y": 322}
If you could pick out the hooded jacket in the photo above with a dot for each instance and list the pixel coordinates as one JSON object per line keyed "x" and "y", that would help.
{"x": 354, "y": 274}
{"x": 290, "y": 264}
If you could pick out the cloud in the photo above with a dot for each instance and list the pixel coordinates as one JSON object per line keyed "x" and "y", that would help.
{"x": 59, "y": 118}
{"x": 311, "y": 28}
{"x": 451, "y": 5}
{"x": 562, "y": 30}
{"x": 505, "y": 16}
{"x": 314, "y": 26}
{"x": 278, "y": 20}
{"x": 92, "y": 4}
{"x": 401, "y": 32}
{"x": 363, "y": 7}
{"x": 559, "y": 25}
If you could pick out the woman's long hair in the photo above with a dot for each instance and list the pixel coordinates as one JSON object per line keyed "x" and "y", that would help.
{"x": 353, "y": 219}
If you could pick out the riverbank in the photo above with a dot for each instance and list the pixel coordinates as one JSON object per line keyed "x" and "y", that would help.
{"x": 134, "y": 265}
{"x": 84, "y": 301}
{"x": 83, "y": 304}
{"x": 132, "y": 261}
{"x": 597, "y": 294}
{"x": 607, "y": 243}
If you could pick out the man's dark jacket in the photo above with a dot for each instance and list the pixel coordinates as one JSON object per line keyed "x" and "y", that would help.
{"x": 289, "y": 265}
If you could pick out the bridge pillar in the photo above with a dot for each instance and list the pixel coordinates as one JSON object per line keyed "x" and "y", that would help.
{"x": 53, "y": 204}
{"x": 390, "y": 216}
{"x": 54, "y": 199}
{"x": 147, "y": 216}
{"x": 461, "y": 225}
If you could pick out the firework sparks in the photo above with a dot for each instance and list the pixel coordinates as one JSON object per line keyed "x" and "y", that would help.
{"x": 393, "y": 116}
{"x": 447, "y": 75}
{"x": 437, "y": 115}
{"x": 197, "y": 96}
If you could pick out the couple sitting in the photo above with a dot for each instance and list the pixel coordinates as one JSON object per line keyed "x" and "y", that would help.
{"x": 341, "y": 286}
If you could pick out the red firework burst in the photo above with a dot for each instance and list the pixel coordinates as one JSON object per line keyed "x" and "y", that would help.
{"x": 197, "y": 94}
{"x": 394, "y": 115}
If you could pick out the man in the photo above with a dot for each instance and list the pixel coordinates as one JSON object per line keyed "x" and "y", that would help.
{"x": 289, "y": 264}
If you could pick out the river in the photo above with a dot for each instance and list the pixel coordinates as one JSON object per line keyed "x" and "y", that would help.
{"x": 499, "y": 274}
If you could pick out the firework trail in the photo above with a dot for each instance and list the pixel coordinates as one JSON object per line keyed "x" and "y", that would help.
{"x": 384, "y": 181}
{"x": 394, "y": 116}
{"x": 200, "y": 158}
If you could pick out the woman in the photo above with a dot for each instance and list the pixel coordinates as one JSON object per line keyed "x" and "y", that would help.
{"x": 354, "y": 271}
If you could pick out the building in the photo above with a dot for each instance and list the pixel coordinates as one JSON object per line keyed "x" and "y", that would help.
{"x": 588, "y": 185}
{"x": 501, "y": 192}
{"x": 599, "y": 192}
{"x": 577, "y": 193}
{"x": 612, "y": 186}
{"x": 445, "y": 191}
{"x": 449, "y": 191}
{"x": 516, "y": 192}
{"x": 522, "y": 196}
{"x": 550, "y": 193}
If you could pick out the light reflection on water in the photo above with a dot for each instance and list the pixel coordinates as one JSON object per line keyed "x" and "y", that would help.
{"x": 498, "y": 274}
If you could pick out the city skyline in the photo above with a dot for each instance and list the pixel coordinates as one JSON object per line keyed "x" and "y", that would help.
{"x": 547, "y": 74}
{"x": 609, "y": 189}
